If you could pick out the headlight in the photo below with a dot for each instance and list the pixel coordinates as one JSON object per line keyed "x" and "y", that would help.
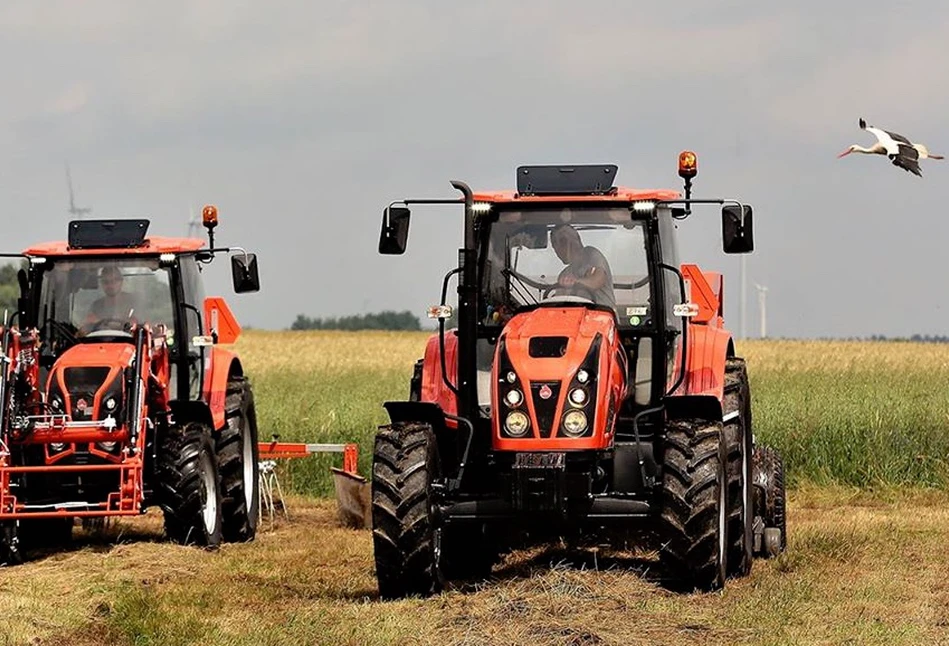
{"x": 583, "y": 376}
{"x": 575, "y": 423}
{"x": 516, "y": 423}
{"x": 110, "y": 403}
{"x": 107, "y": 446}
{"x": 511, "y": 377}
{"x": 513, "y": 398}
{"x": 578, "y": 396}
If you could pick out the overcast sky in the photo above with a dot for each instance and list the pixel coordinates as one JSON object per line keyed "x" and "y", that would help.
{"x": 301, "y": 121}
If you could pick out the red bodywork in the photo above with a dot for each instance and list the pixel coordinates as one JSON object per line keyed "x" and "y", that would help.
{"x": 580, "y": 327}
{"x": 46, "y": 427}
{"x": 709, "y": 344}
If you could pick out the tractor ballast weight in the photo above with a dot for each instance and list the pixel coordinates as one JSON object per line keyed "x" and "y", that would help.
{"x": 115, "y": 392}
{"x": 589, "y": 388}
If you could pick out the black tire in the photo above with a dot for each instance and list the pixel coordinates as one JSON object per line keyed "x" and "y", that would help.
{"x": 736, "y": 409}
{"x": 770, "y": 497}
{"x": 404, "y": 536}
{"x": 692, "y": 522}
{"x": 238, "y": 460}
{"x": 11, "y": 548}
{"x": 189, "y": 485}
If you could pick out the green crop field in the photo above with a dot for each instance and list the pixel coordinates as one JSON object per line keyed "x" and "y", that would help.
{"x": 862, "y": 414}
{"x": 862, "y": 426}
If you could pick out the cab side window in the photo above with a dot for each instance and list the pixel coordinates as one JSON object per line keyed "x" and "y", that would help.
{"x": 193, "y": 323}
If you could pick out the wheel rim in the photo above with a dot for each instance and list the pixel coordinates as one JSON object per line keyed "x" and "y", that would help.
{"x": 248, "y": 459}
{"x": 209, "y": 494}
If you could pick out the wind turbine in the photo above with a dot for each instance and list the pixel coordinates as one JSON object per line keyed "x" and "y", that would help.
{"x": 762, "y": 311}
{"x": 194, "y": 223}
{"x": 73, "y": 209}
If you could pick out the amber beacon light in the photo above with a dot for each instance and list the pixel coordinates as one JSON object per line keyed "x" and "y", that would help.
{"x": 688, "y": 164}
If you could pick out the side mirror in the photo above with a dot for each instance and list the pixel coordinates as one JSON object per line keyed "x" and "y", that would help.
{"x": 737, "y": 232}
{"x": 244, "y": 272}
{"x": 395, "y": 230}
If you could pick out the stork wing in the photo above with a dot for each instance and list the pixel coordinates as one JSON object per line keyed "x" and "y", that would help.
{"x": 908, "y": 159}
{"x": 897, "y": 137}
{"x": 887, "y": 139}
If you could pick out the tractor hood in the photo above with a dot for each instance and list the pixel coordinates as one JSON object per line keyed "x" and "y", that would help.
{"x": 557, "y": 376}
{"x": 86, "y": 381}
{"x": 550, "y": 343}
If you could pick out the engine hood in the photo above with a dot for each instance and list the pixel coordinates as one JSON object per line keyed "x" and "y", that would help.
{"x": 88, "y": 375}
{"x": 550, "y": 343}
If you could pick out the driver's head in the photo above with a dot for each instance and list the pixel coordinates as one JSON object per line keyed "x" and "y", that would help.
{"x": 110, "y": 279}
{"x": 566, "y": 243}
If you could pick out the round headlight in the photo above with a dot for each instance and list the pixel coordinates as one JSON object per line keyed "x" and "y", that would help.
{"x": 516, "y": 423}
{"x": 578, "y": 397}
{"x": 57, "y": 446}
{"x": 583, "y": 376}
{"x": 511, "y": 377}
{"x": 513, "y": 397}
{"x": 574, "y": 423}
{"x": 107, "y": 446}
{"x": 110, "y": 403}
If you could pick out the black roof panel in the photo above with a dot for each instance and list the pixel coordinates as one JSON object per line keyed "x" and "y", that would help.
{"x": 107, "y": 234}
{"x": 566, "y": 180}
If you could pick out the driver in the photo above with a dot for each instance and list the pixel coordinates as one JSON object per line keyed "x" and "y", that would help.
{"x": 586, "y": 268}
{"x": 114, "y": 304}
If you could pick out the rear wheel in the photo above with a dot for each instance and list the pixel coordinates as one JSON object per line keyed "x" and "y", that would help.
{"x": 736, "y": 408}
{"x": 770, "y": 501}
{"x": 406, "y": 543}
{"x": 190, "y": 485}
{"x": 693, "y": 519}
{"x": 237, "y": 455}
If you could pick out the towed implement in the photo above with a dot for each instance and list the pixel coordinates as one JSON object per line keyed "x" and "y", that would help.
{"x": 115, "y": 395}
{"x": 590, "y": 390}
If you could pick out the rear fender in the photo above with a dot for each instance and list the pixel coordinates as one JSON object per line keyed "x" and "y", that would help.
{"x": 224, "y": 364}
{"x": 709, "y": 347}
{"x": 433, "y": 387}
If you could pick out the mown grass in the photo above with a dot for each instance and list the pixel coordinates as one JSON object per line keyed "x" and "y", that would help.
{"x": 866, "y": 414}
{"x": 857, "y": 571}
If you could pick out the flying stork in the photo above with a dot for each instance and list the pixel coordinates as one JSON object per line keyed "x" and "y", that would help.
{"x": 901, "y": 151}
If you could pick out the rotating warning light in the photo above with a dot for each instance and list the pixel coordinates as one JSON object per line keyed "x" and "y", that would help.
{"x": 209, "y": 216}
{"x": 688, "y": 164}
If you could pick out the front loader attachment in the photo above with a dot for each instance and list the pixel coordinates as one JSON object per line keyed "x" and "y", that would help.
{"x": 352, "y": 490}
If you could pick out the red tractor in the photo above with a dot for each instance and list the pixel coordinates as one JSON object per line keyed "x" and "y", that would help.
{"x": 114, "y": 394}
{"x": 589, "y": 390}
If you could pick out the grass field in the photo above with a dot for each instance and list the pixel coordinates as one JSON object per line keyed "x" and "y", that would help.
{"x": 862, "y": 427}
{"x": 852, "y": 413}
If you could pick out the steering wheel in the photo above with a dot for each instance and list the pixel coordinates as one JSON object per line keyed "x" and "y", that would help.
{"x": 107, "y": 323}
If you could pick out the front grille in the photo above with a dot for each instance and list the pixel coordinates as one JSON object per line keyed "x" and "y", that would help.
{"x": 545, "y": 408}
{"x": 547, "y": 347}
{"x": 82, "y": 385}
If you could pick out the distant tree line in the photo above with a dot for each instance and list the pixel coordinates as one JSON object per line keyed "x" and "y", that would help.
{"x": 386, "y": 320}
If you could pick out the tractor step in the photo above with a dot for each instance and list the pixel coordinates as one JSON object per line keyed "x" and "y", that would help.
{"x": 599, "y": 508}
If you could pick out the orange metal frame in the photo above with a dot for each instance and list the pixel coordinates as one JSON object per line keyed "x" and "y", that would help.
{"x": 276, "y": 450}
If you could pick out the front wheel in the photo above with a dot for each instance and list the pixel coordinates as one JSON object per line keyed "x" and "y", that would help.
{"x": 237, "y": 455}
{"x": 406, "y": 543}
{"x": 694, "y": 528}
{"x": 190, "y": 485}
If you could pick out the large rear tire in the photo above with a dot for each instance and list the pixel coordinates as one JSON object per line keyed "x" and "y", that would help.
{"x": 736, "y": 409}
{"x": 404, "y": 533}
{"x": 693, "y": 521}
{"x": 238, "y": 460}
{"x": 190, "y": 485}
{"x": 770, "y": 500}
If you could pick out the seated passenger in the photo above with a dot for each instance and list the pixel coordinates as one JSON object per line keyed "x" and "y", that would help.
{"x": 587, "y": 272}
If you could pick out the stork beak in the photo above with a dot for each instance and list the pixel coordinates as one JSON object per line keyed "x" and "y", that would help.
{"x": 844, "y": 153}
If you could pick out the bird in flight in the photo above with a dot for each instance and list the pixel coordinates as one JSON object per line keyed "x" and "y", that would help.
{"x": 901, "y": 151}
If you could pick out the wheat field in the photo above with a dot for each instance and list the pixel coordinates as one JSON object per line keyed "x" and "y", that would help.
{"x": 862, "y": 427}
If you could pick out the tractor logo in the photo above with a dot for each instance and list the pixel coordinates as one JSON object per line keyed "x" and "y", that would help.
{"x": 545, "y": 392}
{"x": 81, "y": 405}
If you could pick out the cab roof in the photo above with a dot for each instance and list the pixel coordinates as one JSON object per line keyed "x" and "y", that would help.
{"x": 618, "y": 195}
{"x": 152, "y": 245}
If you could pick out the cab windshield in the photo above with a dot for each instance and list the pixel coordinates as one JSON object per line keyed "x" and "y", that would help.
{"x": 570, "y": 255}
{"x": 97, "y": 297}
